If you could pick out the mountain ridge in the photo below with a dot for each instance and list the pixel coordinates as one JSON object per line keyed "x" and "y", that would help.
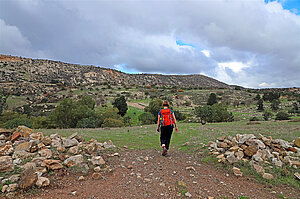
{"x": 18, "y": 69}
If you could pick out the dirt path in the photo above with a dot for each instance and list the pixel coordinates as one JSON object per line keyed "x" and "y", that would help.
{"x": 158, "y": 179}
{"x": 136, "y": 105}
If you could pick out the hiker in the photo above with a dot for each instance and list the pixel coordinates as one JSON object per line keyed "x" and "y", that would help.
{"x": 165, "y": 121}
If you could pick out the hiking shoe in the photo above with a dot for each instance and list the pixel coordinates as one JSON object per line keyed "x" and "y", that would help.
{"x": 165, "y": 151}
{"x": 167, "y": 155}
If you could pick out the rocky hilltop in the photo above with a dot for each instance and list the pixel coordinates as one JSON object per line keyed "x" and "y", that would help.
{"x": 17, "y": 69}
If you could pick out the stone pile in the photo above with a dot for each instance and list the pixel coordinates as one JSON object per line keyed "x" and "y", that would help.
{"x": 27, "y": 156}
{"x": 257, "y": 150}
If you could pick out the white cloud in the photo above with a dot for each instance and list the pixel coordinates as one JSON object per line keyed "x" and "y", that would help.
{"x": 206, "y": 53}
{"x": 252, "y": 42}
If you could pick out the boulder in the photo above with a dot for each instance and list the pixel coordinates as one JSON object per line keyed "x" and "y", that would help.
{"x": 234, "y": 148}
{"x": 232, "y": 159}
{"x": 42, "y": 182}
{"x": 73, "y": 160}
{"x": 46, "y": 141}
{"x": 91, "y": 148}
{"x": 297, "y": 163}
{"x": 297, "y": 142}
{"x": 61, "y": 149}
{"x": 243, "y": 138}
{"x": 37, "y": 136}
{"x": 28, "y": 179}
{"x": 53, "y": 164}
{"x": 239, "y": 155}
{"x": 12, "y": 187}
{"x": 258, "y": 168}
{"x": 47, "y": 153}
{"x": 25, "y": 146}
{"x": 284, "y": 144}
{"x": 25, "y": 131}
{"x": 15, "y": 136}
{"x": 23, "y": 155}
{"x": 268, "y": 176}
{"x": 222, "y": 138}
{"x": 56, "y": 143}
{"x": 69, "y": 142}
{"x": 250, "y": 150}
{"x": 259, "y": 143}
{"x": 222, "y": 145}
{"x": 257, "y": 157}
{"x": 97, "y": 160}
{"x": 6, "y": 149}
{"x": 74, "y": 150}
{"x": 237, "y": 171}
{"x": 6, "y": 164}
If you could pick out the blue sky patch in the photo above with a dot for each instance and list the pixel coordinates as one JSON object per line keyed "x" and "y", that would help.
{"x": 291, "y": 5}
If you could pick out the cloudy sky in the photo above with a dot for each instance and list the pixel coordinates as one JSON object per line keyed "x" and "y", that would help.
{"x": 252, "y": 43}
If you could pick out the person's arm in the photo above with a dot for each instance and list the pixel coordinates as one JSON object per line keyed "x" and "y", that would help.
{"x": 175, "y": 122}
{"x": 158, "y": 122}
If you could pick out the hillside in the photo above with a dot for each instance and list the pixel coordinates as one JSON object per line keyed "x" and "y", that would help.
{"x": 16, "y": 69}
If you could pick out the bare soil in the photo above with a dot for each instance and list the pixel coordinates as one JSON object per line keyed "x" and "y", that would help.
{"x": 158, "y": 179}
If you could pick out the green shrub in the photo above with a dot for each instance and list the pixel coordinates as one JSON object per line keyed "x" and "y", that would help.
{"x": 179, "y": 116}
{"x": 254, "y": 119}
{"x": 215, "y": 113}
{"x": 86, "y": 123}
{"x": 154, "y": 107}
{"x": 267, "y": 115}
{"x": 282, "y": 116}
{"x": 111, "y": 122}
{"x": 147, "y": 118}
{"x": 17, "y": 122}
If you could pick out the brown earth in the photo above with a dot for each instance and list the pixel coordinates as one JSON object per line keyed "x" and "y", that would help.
{"x": 158, "y": 178}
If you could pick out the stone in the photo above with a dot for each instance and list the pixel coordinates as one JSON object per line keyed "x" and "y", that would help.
{"x": 37, "y": 136}
{"x": 293, "y": 149}
{"x": 17, "y": 161}
{"x": 234, "y": 148}
{"x": 28, "y": 179}
{"x": 47, "y": 153}
{"x": 46, "y": 140}
{"x": 297, "y": 142}
{"x": 34, "y": 147}
{"x": 91, "y": 148}
{"x": 53, "y": 164}
{"x": 15, "y": 136}
{"x": 23, "y": 155}
{"x": 55, "y": 136}
{"x": 25, "y": 146}
{"x": 297, "y": 163}
{"x": 258, "y": 168}
{"x": 222, "y": 145}
{"x": 186, "y": 144}
{"x": 276, "y": 162}
{"x": 220, "y": 156}
{"x": 239, "y": 155}
{"x": 56, "y": 143}
{"x": 6, "y": 149}
{"x": 12, "y": 187}
{"x": 97, "y": 169}
{"x": 268, "y": 176}
{"x": 96, "y": 176}
{"x": 61, "y": 149}
{"x": 188, "y": 194}
{"x": 42, "y": 182}
{"x": 41, "y": 145}
{"x": 14, "y": 178}
{"x": 237, "y": 171}
{"x": 243, "y": 138}
{"x": 25, "y": 131}
{"x": 284, "y": 144}
{"x": 74, "y": 150}
{"x": 222, "y": 138}
{"x": 73, "y": 160}
{"x": 232, "y": 159}
{"x": 260, "y": 144}
{"x": 130, "y": 167}
{"x": 4, "y": 188}
{"x": 29, "y": 165}
{"x": 257, "y": 157}
{"x": 97, "y": 160}
{"x": 6, "y": 164}
{"x": 81, "y": 178}
{"x": 108, "y": 145}
{"x": 250, "y": 150}
{"x": 297, "y": 175}
{"x": 69, "y": 142}
{"x": 190, "y": 168}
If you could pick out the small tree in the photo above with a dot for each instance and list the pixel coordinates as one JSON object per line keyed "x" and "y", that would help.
{"x": 154, "y": 107}
{"x": 260, "y": 105}
{"x": 257, "y": 97}
{"x": 282, "y": 116}
{"x": 212, "y": 99}
{"x": 121, "y": 105}
{"x": 147, "y": 118}
{"x": 267, "y": 115}
{"x": 295, "y": 108}
{"x": 204, "y": 113}
{"x": 275, "y": 104}
{"x": 3, "y": 97}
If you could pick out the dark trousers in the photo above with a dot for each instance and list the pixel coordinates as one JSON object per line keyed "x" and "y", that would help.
{"x": 165, "y": 135}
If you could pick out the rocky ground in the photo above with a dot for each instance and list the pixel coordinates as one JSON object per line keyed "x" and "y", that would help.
{"x": 147, "y": 174}
{"x": 36, "y": 166}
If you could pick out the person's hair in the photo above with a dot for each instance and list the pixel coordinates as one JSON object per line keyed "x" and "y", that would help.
{"x": 166, "y": 103}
